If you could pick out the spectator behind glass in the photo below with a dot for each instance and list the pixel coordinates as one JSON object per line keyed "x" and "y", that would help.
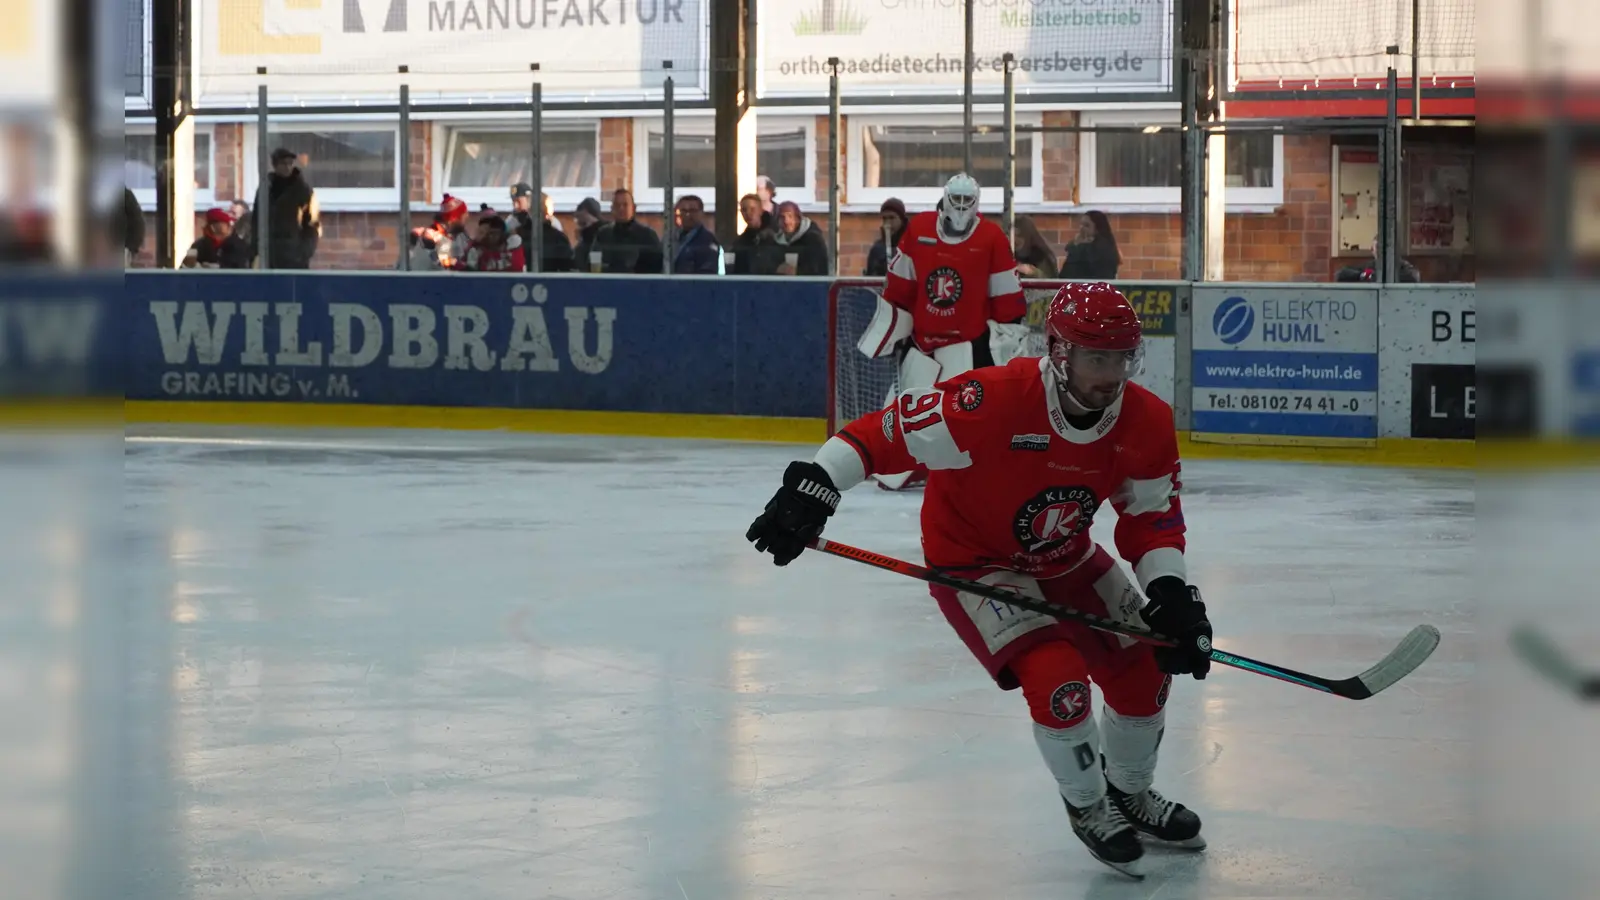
{"x": 1405, "y": 272}
{"x": 796, "y": 249}
{"x": 441, "y": 244}
{"x": 294, "y": 217}
{"x": 893, "y": 212}
{"x": 218, "y": 247}
{"x": 625, "y": 245}
{"x": 556, "y": 249}
{"x": 495, "y": 250}
{"x": 742, "y": 252}
{"x": 698, "y": 251}
{"x": 1093, "y": 256}
{"x": 588, "y": 218}
{"x": 768, "y": 192}
{"x": 1035, "y": 259}
{"x": 244, "y": 226}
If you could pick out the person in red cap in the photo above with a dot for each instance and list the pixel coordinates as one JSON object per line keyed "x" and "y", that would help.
{"x": 218, "y": 247}
{"x": 1020, "y": 458}
{"x": 443, "y": 243}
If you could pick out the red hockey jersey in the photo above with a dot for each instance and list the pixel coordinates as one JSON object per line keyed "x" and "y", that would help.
{"x": 1014, "y": 485}
{"x": 953, "y": 290}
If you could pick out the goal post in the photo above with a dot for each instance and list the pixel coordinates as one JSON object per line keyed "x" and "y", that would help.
{"x": 858, "y": 384}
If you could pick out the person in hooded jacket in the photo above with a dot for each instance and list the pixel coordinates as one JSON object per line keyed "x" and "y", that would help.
{"x": 294, "y": 217}
{"x": 795, "y": 237}
{"x": 894, "y": 225}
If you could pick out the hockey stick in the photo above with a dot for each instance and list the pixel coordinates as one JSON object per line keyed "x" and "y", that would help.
{"x": 1411, "y": 652}
{"x": 1548, "y": 660}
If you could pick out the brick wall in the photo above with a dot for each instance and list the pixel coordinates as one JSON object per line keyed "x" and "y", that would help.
{"x": 1291, "y": 243}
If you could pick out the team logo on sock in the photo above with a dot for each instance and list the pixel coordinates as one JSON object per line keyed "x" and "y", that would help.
{"x": 1070, "y": 703}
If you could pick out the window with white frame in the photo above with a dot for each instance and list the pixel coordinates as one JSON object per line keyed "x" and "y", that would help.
{"x": 1144, "y": 167}
{"x": 911, "y": 157}
{"x": 480, "y": 162}
{"x": 785, "y": 151}
{"x": 139, "y": 165}
{"x": 351, "y": 165}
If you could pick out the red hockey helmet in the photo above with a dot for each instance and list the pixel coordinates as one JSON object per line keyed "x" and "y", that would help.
{"x": 1095, "y": 341}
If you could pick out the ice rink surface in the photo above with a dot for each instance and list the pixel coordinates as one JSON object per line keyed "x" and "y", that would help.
{"x": 415, "y": 666}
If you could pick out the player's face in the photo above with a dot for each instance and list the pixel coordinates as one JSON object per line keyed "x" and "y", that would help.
{"x": 1095, "y": 378}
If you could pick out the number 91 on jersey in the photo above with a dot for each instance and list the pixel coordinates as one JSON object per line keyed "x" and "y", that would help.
{"x": 1338, "y": 403}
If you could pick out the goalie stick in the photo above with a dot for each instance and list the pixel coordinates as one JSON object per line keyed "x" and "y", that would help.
{"x": 1548, "y": 660}
{"x": 1411, "y": 652}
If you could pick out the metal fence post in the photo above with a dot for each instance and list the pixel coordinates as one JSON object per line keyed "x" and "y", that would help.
{"x": 967, "y": 62}
{"x": 669, "y": 229}
{"x": 1008, "y": 216}
{"x": 403, "y": 148}
{"x": 264, "y": 188}
{"x": 835, "y": 121}
{"x": 536, "y": 172}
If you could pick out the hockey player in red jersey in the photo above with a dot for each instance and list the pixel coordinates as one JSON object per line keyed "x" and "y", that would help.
{"x": 952, "y": 282}
{"x": 1021, "y": 458}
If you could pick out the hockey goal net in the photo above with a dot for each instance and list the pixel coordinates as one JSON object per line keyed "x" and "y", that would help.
{"x": 858, "y": 384}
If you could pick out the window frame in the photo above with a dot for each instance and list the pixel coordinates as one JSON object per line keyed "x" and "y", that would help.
{"x": 566, "y": 199}
{"x": 203, "y": 199}
{"x": 1090, "y": 193}
{"x": 648, "y": 199}
{"x": 992, "y": 196}
{"x": 330, "y": 199}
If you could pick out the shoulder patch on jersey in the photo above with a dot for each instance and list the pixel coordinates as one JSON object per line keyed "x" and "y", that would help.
{"x": 970, "y": 395}
{"x": 1053, "y": 517}
{"x": 1030, "y": 442}
{"x": 942, "y": 287}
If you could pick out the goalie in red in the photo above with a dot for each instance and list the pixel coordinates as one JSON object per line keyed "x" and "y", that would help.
{"x": 952, "y": 287}
{"x": 1021, "y": 458}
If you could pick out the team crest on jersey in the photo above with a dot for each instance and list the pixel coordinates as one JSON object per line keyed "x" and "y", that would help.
{"x": 943, "y": 287}
{"x": 970, "y": 396}
{"x": 1053, "y": 517}
{"x": 1071, "y": 703}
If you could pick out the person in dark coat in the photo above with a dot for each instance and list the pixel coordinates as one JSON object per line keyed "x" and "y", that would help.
{"x": 218, "y": 247}
{"x": 1094, "y": 255}
{"x": 626, "y": 245}
{"x": 796, "y": 239}
{"x": 294, "y": 218}
{"x": 742, "y": 252}
{"x": 697, "y": 252}
{"x": 589, "y": 220}
{"x": 894, "y": 225}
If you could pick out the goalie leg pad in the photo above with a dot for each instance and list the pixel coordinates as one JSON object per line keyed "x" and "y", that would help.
{"x": 956, "y": 359}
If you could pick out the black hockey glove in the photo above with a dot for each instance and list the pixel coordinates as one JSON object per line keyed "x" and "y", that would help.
{"x": 1176, "y": 610}
{"x": 796, "y": 513}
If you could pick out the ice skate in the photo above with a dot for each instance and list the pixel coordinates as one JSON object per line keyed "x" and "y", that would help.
{"x": 1108, "y": 835}
{"x": 1157, "y": 818}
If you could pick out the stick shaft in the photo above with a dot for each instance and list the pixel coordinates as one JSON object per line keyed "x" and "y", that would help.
{"x": 923, "y": 573}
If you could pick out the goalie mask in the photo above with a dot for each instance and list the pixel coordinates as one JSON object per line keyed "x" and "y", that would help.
{"x": 958, "y": 210}
{"x": 1096, "y": 343}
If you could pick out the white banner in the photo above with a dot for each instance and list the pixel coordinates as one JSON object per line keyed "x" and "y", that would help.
{"x": 341, "y": 50}
{"x": 917, "y": 46}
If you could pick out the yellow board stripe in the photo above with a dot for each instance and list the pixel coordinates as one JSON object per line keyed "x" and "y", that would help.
{"x": 553, "y": 421}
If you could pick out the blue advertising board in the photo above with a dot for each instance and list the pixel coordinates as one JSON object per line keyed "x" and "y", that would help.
{"x": 1586, "y": 394}
{"x": 60, "y": 336}
{"x": 1288, "y": 365}
{"x": 725, "y": 346}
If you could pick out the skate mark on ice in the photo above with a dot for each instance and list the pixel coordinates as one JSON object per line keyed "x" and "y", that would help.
{"x": 1216, "y": 754}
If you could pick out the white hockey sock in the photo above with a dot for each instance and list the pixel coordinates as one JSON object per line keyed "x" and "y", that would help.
{"x": 1131, "y": 745}
{"x": 1073, "y": 756}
